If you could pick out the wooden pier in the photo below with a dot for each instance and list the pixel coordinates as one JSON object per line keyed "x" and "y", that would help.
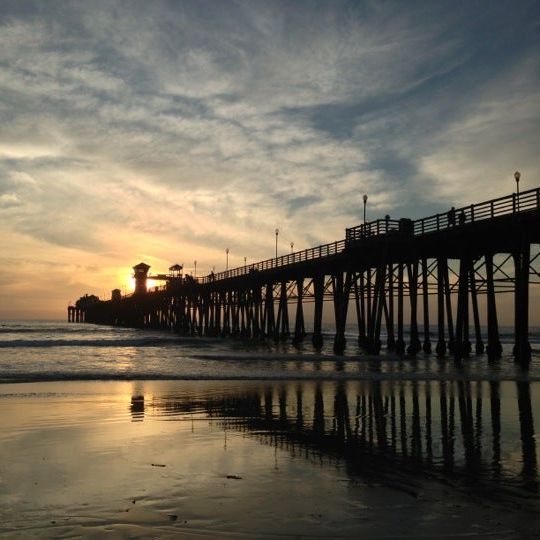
{"x": 443, "y": 273}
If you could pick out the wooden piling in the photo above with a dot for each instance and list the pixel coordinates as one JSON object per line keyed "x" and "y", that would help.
{"x": 426, "y": 346}
{"x": 318, "y": 291}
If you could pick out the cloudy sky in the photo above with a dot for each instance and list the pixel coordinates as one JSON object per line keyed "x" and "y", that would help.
{"x": 166, "y": 131}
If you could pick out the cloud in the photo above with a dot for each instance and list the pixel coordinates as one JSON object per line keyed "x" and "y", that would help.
{"x": 176, "y": 129}
{"x": 8, "y": 200}
{"x": 503, "y": 116}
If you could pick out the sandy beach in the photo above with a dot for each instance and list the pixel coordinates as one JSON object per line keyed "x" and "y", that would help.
{"x": 251, "y": 460}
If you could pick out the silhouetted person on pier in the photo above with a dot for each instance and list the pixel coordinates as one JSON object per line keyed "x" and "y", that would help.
{"x": 462, "y": 217}
{"x": 452, "y": 217}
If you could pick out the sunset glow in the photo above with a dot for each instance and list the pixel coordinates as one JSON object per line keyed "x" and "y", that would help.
{"x": 122, "y": 143}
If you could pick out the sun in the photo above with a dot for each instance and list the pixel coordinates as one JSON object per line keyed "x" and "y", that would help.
{"x": 127, "y": 283}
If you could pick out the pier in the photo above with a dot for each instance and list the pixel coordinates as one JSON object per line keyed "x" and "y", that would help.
{"x": 437, "y": 276}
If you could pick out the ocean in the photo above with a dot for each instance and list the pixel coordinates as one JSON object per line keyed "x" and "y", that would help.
{"x": 48, "y": 351}
{"x": 132, "y": 433}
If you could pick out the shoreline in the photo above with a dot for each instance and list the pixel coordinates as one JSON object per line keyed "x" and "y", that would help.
{"x": 286, "y": 377}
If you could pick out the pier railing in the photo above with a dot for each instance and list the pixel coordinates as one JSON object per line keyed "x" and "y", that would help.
{"x": 510, "y": 204}
{"x": 325, "y": 250}
{"x": 375, "y": 228}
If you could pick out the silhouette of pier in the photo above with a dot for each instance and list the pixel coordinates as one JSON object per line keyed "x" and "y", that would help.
{"x": 455, "y": 431}
{"x": 396, "y": 277}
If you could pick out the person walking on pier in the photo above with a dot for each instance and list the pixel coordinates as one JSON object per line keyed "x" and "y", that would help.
{"x": 452, "y": 217}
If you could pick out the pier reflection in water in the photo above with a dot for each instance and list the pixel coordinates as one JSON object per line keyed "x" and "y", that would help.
{"x": 476, "y": 436}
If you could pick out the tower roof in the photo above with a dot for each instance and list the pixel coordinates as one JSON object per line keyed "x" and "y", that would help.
{"x": 141, "y": 266}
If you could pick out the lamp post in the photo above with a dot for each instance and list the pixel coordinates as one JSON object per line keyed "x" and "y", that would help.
{"x": 226, "y": 258}
{"x": 195, "y": 271}
{"x": 292, "y": 247}
{"x": 365, "y": 201}
{"x": 517, "y": 176}
{"x": 277, "y": 232}
{"x": 245, "y": 262}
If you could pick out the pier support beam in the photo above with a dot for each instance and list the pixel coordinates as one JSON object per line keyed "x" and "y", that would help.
{"x": 522, "y": 347}
{"x": 318, "y": 290}
{"x": 494, "y": 348}
{"x": 299, "y": 327}
{"x": 269, "y": 311}
{"x": 462, "y": 346}
{"x": 400, "y": 343}
{"x": 359, "y": 297}
{"x": 479, "y": 344}
{"x": 426, "y": 347}
{"x": 414, "y": 345}
{"x": 283, "y": 313}
{"x": 448, "y": 302}
{"x": 441, "y": 343}
{"x": 341, "y": 289}
{"x": 391, "y": 341}
{"x": 258, "y": 323}
{"x": 376, "y": 309}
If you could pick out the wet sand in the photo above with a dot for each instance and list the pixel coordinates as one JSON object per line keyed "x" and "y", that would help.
{"x": 261, "y": 459}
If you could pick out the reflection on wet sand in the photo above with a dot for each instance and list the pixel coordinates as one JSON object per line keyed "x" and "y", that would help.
{"x": 137, "y": 408}
{"x": 460, "y": 432}
{"x": 393, "y": 459}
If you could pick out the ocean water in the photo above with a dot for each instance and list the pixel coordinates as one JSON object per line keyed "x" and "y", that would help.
{"x": 135, "y": 434}
{"x": 45, "y": 351}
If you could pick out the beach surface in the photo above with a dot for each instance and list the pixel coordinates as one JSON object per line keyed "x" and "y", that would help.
{"x": 256, "y": 459}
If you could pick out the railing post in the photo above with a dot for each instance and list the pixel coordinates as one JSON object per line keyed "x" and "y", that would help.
{"x": 492, "y": 209}
{"x": 513, "y": 203}
{"x": 472, "y": 213}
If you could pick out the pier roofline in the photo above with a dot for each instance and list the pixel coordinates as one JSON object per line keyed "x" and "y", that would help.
{"x": 377, "y": 264}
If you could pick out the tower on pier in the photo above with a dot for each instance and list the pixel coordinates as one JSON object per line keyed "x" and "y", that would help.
{"x": 140, "y": 273}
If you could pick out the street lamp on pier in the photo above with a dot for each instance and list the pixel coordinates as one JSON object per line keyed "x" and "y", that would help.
{"x": 277, "y": 232}
{"x": 292, "y": 247}
{"x": 517, "y": 176}
{"x": 226, "y": 258}
{"x": 365, "y": 202}
{"x": 195, "y": 271}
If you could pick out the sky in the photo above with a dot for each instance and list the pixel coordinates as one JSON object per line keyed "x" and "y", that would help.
{"x": 168, "y": 131}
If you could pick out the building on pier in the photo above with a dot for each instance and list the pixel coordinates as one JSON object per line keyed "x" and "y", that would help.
{"x": 85, "y": 304}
